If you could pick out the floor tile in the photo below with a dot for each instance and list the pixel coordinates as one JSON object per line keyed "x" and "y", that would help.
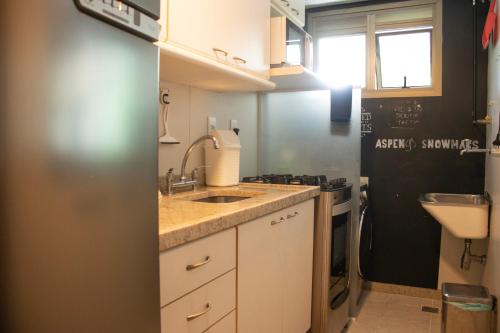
{"x": 391, "y": 313}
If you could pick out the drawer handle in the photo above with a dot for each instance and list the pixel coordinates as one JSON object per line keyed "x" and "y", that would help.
{"x": 289, "y": 216}
{"x": 193, "y": 266}
{"x": 281, "y": 220}
{"x": 216, "y": 50}
{"x": 286, "y": 3}
{"x": 295, "y": 11}
{"x": 208, "y": 307}
{"x": 240, "y": 60}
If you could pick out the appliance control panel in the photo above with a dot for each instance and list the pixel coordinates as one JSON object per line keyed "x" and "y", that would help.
{"x": 122, "y": 16}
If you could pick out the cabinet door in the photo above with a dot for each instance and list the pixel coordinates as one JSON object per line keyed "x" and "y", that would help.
{"x": 196, "y": 24}
{"x": 294, "y": 9}
{"x": 298, "y": 11}
{"x": 298, "y": 254}
{"x": 249, "y": 34}
{"x": 260, "y": 276}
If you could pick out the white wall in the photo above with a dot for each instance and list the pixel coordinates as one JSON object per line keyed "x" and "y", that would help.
{"x": 189, "y": 109}
{"x": 492, "y": 272}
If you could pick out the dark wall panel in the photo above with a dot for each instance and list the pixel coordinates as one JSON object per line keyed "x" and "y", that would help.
{"x": 406, "y": 238}
{"x": 406, "y": 158}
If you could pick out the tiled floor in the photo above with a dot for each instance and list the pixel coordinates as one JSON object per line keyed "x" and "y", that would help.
{"x": 389, "y": 313}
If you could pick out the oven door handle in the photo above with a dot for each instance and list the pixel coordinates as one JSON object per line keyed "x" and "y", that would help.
{"x": 360, "y": 231}
{"x": 342, "y": 208}
{"x": 338, "y": 300}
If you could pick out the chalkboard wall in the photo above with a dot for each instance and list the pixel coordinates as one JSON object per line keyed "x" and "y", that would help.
{"x": 411, "y": 146}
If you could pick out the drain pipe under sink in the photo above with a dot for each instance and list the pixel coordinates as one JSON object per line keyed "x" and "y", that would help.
{"x": 468, "y": 257}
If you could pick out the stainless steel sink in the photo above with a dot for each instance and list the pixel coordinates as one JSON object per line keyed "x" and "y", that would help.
{"x": 453, "y": 199}
{"x": 221, "y": 199}
{"x": 464, "y": 215}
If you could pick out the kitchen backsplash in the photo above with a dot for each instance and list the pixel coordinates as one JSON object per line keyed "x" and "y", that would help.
{"x": 187, "y": 121}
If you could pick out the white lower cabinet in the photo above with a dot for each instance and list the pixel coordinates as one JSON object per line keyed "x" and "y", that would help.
{"x": 226, "y": 325}
{"x": 275, "y": 259}
{"x": 268, "y": 290}
{"x": 191, "y": 265}
{"x": 202, "y": 308}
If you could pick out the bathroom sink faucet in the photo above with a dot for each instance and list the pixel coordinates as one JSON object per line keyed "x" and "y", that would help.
{"x": 184, "y": 181}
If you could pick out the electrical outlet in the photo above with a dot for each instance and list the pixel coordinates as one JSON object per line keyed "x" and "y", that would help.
{"x": 233, "y": 124}
{"x": 211, "y": 124}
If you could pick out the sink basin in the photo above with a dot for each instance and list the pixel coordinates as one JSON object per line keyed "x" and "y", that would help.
{"x": 221, "y": 199}
{"x": 464, "y": 215}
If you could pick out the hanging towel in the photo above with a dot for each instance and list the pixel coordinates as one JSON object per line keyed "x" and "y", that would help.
{"x": 491, "y": 26}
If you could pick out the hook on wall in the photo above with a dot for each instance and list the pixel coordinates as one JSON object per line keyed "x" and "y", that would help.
{"x": 164, "y": 100}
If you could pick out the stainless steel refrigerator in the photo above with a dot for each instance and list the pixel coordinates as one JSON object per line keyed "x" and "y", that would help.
{"x": 78, "y": 186}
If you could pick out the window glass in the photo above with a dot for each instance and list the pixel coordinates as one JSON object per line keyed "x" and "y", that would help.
{"x": 342, "y": 60}
{"x": 405, "y": 54}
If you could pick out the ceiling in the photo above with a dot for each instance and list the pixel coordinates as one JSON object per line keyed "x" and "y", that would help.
{"x": 317, "y": 3}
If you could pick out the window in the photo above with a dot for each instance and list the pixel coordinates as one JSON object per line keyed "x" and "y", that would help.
{"x": 404, "y": 59}
{"x": 390, "y": 50}
{"x": 342, "y": 60}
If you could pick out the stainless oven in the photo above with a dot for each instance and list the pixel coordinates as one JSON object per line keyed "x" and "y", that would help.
{"x": 331, "y": 277}
{"x": 290, "y": 44}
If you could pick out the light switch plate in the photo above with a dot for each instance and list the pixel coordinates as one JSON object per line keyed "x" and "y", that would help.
{"x": 211, "y": 124}
{"x": 233, "y": 124}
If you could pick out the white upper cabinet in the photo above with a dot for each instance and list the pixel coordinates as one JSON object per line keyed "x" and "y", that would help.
{"x": 295, "y": 10}
{"x": 233, "y": 32}
{"x": 250, "y": 34}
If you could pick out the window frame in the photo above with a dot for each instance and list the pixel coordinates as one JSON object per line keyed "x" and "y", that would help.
{"x": 378, "y": 66}
{"x": 369, "y": 12}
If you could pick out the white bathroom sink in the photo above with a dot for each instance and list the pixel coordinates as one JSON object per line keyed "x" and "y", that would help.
{"x": 464, "y": 215}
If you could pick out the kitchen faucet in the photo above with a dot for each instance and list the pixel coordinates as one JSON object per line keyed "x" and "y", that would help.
{"x": 184, "y": 182}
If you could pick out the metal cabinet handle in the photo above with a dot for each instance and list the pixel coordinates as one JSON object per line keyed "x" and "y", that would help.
{"x": 241, "y": 60}
{"x": 193, "y": 266}
{"x": 281, "y": 220}
{"x": 208, "y": 307}
{"x": 216, "y": 50}
{"x": 295, "y": 11}
{"x": 289, "y": 216}
{"x": 286, "y": 3}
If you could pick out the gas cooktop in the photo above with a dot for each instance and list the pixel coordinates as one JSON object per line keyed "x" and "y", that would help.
{"x": 288, "y": 179}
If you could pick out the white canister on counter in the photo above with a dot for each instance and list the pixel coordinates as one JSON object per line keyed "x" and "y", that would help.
{"x": 223, "y": 164}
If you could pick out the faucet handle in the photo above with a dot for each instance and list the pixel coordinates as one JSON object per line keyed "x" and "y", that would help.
{"x": 195, "y": 171}
{"x": 170, "y": 173}
{"x": 194, "y": 174}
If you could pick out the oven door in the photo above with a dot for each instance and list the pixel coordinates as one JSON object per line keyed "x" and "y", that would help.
{"x": 340, "y": 254}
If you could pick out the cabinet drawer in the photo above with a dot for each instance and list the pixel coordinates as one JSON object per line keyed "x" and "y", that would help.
{"x": 197, "y": 311}
{"x": 189, "y": 266}
{"x": 226, "y": 325}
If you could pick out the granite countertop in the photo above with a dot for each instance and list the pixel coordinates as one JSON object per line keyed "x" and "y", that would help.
{"x": 182, "y": 220}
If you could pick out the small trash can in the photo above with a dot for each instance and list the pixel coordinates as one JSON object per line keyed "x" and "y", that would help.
{"x": 467, "y": 308}
{"x": 223, "y": 165}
